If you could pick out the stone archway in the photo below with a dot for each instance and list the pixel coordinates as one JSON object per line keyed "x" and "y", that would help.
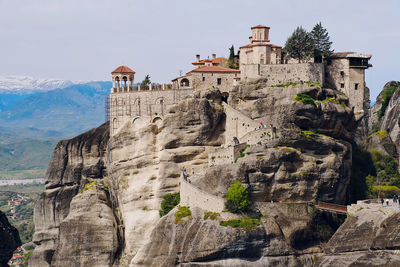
{"x": 184, "y": 82}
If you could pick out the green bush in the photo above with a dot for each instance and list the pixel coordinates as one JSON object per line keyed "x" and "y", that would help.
{"x": 305, "y": 99}
{"x": 237, "y": 198}
{"x": 386, "y": 96}
{"x": 211, "y": 215}
{"x": 169, "y": 202}
{"x": 182, "y": 212}
{"x": 245, "y": 223}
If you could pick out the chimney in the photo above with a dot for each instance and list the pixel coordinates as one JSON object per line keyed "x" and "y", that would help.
{"x": 197, "y": 57}
{"x": 214, "y": 56}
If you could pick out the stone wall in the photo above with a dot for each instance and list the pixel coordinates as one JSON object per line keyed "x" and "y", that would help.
{"x": 147, "y": 105}
{"x": 194, "y": 197}
{"x": 225, "y": 155}
{"x": 259, "y": 136}
{"x": 285, "y": 73}
{"x": 205, "y": 80}
{"x": 237, "y": 124}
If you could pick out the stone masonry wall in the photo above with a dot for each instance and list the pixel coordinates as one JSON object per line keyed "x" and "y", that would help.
{"x": 144, "y": 104}
{"x": 225, "y": 155}
{"x": 210, "y": 80}
{"x": 285, "y": 73}
{"x": 194, "y": 197}
{"x": 237, "y": 124}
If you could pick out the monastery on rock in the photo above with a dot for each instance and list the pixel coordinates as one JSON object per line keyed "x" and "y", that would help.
{"x": 259, "y": 59}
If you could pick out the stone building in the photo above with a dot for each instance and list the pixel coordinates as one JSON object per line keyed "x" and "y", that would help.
{"x": 214, "y": 61}
{"x": 202, "y": 78}
{"x": 345, "y": 71}
{"x": 260, "y": 50}
{"x": 139, "y": 104}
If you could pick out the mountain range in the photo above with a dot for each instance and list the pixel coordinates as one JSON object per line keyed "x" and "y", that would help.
{"x": 35, "y": 114}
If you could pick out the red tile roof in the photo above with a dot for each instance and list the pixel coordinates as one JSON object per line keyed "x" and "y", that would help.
{"x": 123, "y": 69}
{"x": 214, "y": 69}
{"x": 259, "y": 26}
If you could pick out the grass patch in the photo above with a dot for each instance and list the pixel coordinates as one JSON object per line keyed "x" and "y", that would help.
{"x": 310, "y": 134}
{"x": 211, "y": 215}
{"x": 330, "y": 99}
{"x": 89, "y": 186}
{"x": 244, "y": 223}
{"x": 379, "y": 134}
{"x": 182, "y": 212}
{"x": 305, "y": 99}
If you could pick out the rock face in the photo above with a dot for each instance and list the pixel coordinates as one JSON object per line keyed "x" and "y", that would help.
{"x": 146, "y": 161}
{"x": 370, "y": 237}
{"x": 307, "y": 159}
{"x": 390, "y": 120}
{"x": 73, "y": 163}
{"x": 9, "y": 240}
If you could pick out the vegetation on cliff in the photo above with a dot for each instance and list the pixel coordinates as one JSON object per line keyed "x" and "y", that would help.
{"x": 169, "y": 202}
{"x": 386, "y": 96}
{"x": 237, "y": 198}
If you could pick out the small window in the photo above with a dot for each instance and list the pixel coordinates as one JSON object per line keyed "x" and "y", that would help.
{"x": 342, "y": 73}
{"x": 342, "y": 85}
{"x": 219, "y": 81}
{"x": 329, "y": 62}
{"x": 204, "y": 78}
{"x": 356, "y": 86}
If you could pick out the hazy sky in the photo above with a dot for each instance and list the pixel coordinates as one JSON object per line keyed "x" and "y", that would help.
{"x": 87, "y": 39}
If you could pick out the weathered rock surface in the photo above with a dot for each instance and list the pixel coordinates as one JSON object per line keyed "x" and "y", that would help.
{"x": 297, "y": 166}
{"x": 370, "y": 237}
{"x": 9, "y": 240}
{"x": 199, "y": 242}
{"x": 73, "y": 163}
{"x": 146, "y": 161}
{"x": 88, "y": 235}
{"x": 390, "y": 121}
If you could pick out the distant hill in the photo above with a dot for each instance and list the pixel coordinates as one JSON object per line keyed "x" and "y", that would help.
{"x": 32, "y": 121}
{"x": 69, "y": 111}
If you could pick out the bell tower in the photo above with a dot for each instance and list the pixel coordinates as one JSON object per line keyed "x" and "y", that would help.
{"x": 259, "y": 33}
{"x": 123, "y": 78}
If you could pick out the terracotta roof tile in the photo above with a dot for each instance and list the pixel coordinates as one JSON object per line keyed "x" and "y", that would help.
{"x": 259, "y": 26}
{"x": 123, "y": 69}
{"x": 214, "y": 60}
{"x": 214, "y": 69}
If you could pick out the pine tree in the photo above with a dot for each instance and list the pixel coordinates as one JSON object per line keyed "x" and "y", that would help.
{"x": 146, "y": 80}
{"x": 322, "y": 43}
{"x": 299, "y": 45}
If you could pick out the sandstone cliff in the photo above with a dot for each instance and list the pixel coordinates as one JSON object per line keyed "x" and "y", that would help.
{"x": 116, "y": 220}
{"x": 9, "y": 240}
{"x": 370, "y": 237}
{"x": 64, "y": 220}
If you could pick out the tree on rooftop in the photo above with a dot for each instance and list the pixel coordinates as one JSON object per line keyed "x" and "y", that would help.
{"x": 322, "y": 43}
{"x": 146, "y": 80}
{"x": 231, "y": 61}
{"x": 299, "y": 45}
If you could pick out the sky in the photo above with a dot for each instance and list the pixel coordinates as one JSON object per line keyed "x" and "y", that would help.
{"x": 87, "y": 39}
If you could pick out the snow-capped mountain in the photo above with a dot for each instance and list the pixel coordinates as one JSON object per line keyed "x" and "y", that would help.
{"x": 22, "y": 83}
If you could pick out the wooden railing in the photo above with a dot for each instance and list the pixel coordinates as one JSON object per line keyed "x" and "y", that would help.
{"x": 335, "y": 208}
